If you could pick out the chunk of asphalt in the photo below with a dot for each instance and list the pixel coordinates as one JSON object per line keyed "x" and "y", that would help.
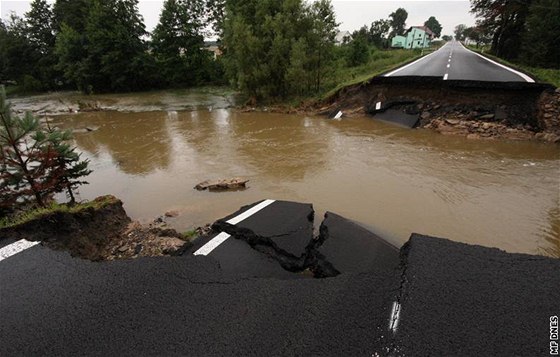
{"x": 398, "y": 117}
{"x": 351, "y": 248}
{"x": 238, "y": 259}
{"x": 288, "y": 225}
{"x": 460, "y": 299}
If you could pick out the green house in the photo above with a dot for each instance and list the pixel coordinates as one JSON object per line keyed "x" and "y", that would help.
{"x": 398, "y": 42}
{"x": 414, "y": 37}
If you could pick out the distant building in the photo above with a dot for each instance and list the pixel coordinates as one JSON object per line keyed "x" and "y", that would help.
{"x": 342, "y": 37}
{"x": 212, "y": 46}
{"x": 414, "y": 37}
{"x": 398, "y": 42}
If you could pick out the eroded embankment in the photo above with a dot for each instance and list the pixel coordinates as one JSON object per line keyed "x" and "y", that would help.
{"x": 99, "y": 231}
{"x": 475, "y": 109}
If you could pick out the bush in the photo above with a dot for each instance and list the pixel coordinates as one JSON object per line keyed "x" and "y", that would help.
{"x": 31, "y": 84}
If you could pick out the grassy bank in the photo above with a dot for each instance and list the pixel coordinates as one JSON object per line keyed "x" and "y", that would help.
{"x": 548, "y": 75}
{"x": 37, "y": 213}
{"x": 380, "y": 61}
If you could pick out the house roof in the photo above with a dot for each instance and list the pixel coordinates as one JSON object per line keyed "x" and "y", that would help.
{"x": 341, "y": 34}
{"x": 426, "y": 29}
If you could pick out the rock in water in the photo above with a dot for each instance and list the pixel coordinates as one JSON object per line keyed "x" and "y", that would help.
{"x": 220, "y": 185}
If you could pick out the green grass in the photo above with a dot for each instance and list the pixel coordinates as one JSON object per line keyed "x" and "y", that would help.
{"x": 190, "y": 234}
{"x": 380, "y": 62}
{"x": 548, "y": 75}
{"x": 37, "y": 213}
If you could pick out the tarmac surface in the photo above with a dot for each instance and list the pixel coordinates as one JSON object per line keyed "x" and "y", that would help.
{"x": 257, "y": 293}
{"x": 454, "y": 62}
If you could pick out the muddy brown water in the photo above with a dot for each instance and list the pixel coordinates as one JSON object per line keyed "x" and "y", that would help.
{"x": 395, "y": 181}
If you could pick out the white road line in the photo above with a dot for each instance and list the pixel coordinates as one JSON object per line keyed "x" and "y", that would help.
{"x": 408, "y": 65}
{"x": 248, "y": 213}
{"x": 222, "y": 237}
{"x": 445, "y": 77}
{"x": 377, "y": 105}
{"x": 448, "y": 65}
{"x": 15, "y": 248}
{"x": 522, "y": 75}
{"x": 395, "y": 316}
{"x": 212, "y": 244}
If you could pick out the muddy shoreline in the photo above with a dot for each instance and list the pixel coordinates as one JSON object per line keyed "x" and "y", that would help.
{"x": 102, "y": 231}
{"x": 475, "y": 110}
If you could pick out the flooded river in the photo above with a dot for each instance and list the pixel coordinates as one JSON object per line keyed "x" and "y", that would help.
{"x": 395, "y": 181}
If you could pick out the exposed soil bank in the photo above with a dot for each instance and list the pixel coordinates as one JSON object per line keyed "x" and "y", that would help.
{"x": 101, "y": 231}
{"x": 517, "y": 111}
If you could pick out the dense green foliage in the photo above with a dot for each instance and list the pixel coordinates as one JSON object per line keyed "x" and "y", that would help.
{"x": 102, "y": 46}
{"x": 35, "y": 162}
{"x": 278, "y": 48}
{"x": 178, "y": 43}
{"x": 110, "y": 55}
{"x": 433, "y": 24}
{"x": 541, "y": 40}
{"x": 376, "y": 35}
{"x": 398, "y": 22}
{"x": 527, "y": 31}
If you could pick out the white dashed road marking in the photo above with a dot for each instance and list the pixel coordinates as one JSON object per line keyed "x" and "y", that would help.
{"x": 222, "y": 237}
{"x": 445, "y": 77}
{"x": 15, "y": 248}
{"x": 395, "y": 316}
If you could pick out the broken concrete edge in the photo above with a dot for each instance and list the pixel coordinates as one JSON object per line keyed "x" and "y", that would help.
{"x": 408, "y": 250}
{"x": 97, "y": 231}
{"x": 517, "y": 110}
{"x": 310, "y": 259}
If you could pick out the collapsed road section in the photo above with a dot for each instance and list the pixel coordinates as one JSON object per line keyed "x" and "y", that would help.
{"x": 251, "y": 288}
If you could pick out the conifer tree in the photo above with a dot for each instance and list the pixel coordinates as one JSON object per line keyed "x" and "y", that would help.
{"x": 67, "y": 169}
{"x": 34, "y": 163}
{"x": 24, "y": 159}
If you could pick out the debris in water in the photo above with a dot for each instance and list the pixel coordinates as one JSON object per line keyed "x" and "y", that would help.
{"x": 222, "y": 185}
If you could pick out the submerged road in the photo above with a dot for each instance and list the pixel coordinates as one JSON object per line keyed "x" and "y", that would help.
{"x": 242, "y": 291}
{"x": 454, "y": 62}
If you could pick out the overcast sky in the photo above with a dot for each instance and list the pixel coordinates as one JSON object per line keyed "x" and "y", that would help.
{"x": 352, "y": 14}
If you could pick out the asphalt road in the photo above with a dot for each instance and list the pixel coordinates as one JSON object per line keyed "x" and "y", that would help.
{"x": 231, "y": 295}
{"x": 454, "y": 62}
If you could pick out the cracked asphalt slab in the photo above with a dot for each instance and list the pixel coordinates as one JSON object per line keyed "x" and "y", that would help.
{"x": 53, "y": 304}
{"x": 465, "y": 300}
{"x": 248, "y": 296}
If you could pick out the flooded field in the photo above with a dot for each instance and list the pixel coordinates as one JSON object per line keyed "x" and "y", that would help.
{"x": 395, "y": 181}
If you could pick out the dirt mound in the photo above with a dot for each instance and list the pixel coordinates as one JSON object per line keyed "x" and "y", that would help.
{"x": 98, "y": 231}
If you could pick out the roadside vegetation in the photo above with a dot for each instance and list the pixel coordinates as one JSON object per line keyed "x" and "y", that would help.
{"x": 379, "y": 61}
{"x": 522, "y": 34}
{"x": 36, "y": 162}
{"x": 548, "y": 75}
{"x": 52, "y": 208}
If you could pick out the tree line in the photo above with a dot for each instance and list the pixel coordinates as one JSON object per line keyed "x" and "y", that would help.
{"x": 271, "y": 49}
{"x": 103, "y": 46}
{"x": 527, "y": 31}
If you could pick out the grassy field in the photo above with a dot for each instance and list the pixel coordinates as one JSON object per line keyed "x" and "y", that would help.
{"x": 548, "y": 75}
